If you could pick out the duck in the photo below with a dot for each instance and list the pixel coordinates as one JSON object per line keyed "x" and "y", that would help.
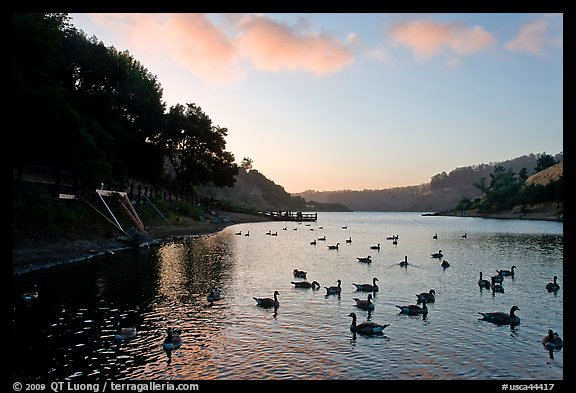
{"x": 367, "y": 327}
{"x": 437, "y": 254}
{"x": 435, "y": 236}
{"x": 496, "y": 287}
{"x": 499, "y": 278}
{"x": 414, "y": 309}
{"x": 377, "y": 247}
{"x": 239, "y": 233}
{"x": 124, "y": 333}
{"x": 333, "y": 247}
{"x": 501, "y": 318}
{"x": 429, "y": 297}
{"x": 393, "y": 237}
{"x": 334, "y": 290}
{"x": 365, "y": 304}
{"x": 173, "y": 339}
{"x": 553, "y": 286}
{"x": 445, "y": 264}
{"x": 313, "y": 242}
{"x": 507, "y": 272}
{"x": 552, "y": 340}
{"x": 344, "y": 226}
{"x": 299, "y": 273}
{"x": 323, "y": 238}
{"x": 464, "y": 236}
{"x": 247, "y": 233}
{"x": 268, "y": 302}
{"x": 483, "y": 283}
{"x": 404, "y": 263}
{"x": 367, "y": 287}
{"x": 349, "y": 240}
{"x": 395, "y": 242}
{"x": 213, "y": 294}
{"x": 367, "y": 259}
{"x": 30, "y": 296}
{"x": 306, "y": 284}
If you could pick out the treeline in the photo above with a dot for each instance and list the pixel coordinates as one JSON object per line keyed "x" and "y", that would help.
{"x": 98, "y": 112}
{"x": 443, "y": 192}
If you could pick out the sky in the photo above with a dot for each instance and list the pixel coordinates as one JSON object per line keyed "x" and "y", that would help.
{"x": 335, "y": 101}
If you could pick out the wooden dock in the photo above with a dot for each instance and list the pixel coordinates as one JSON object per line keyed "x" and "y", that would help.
{"x": 291, "y": 216}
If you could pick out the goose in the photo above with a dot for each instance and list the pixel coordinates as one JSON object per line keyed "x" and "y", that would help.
{"x": 334, "y": 290}
{"x": 414, "y": 309}
{"x": 333, "y": 247}
{"x": 367, "y": 259}
{"x": 213, "y": 294}
{"x": 322, "y": 238}
{"x": 395, "y": 242}
{"x": 30, "y": 296}
{"x": 377, "y": 247}
{"x": 553, "y": 286}
{"x": 445, "y": 264}
{"x": 365, "y": 304}
{"x": 274, "y": 234}
{"x": 499, "y": 278}
{"x": 429, "y": 296}
{"x": 349, "y": 240}
{"x": 247, "y": 233}
{"x": 299, "y": 273}
{"x": 507, "y": 272}
{"x": 267, "y": 302}
{"x": 306, "y": 284}
{"x": 435, "y": 236}
{"x": 124, "y": 333}
{"x": 496, "y": 287}
{"x": 367, "y": 287}
{"x": 393, "y": 237}
{"x": 368, "y": 327}
{"x": 239, "y": 233}
{"x": 321, "y": 227}
{"x": 501, "y": 318}
{"x": 404, "y": 263}
{"x": 483, "y": 283}
{"x": 173, "y": 340}
{"x": 313, "y": 242}
{"x": 345, "y": 227}
{"x": 552, "y": 340}
{"x": 464, "y": 236}
{"x": 437, "y": 254}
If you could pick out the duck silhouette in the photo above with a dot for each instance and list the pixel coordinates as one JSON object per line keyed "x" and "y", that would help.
{"x": 365, "y": 304}
{"x": 502, "y": 318}
{"x": 267, "y": 302}
{"x": 553, "y": 286}
{"x": 367, "y": 287}
{"x": 334, "y": 290}
{"x": 367, "y": 327}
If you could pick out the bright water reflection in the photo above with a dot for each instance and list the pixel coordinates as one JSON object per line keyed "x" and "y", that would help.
{"x": 70, "y": 329}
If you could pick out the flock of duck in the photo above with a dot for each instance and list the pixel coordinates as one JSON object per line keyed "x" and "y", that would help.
{"x": 552, "y": 341}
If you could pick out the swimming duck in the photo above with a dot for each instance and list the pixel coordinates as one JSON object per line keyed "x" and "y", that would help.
{"x": 367, "y": 287}
{"x": 507, "y": 272}
{"x": 435, "y": 236}
{"x": 334, "y": 290}
{"x": 30, "y": 296}
{"x": 483, "y": 283}
{"x": 414, "y": 309}
{"x": 429, "y": 296}
{"x": 334, "y": 247}
{"x": 496, "y": 287}
{"x": 323, "y": 238}
{"x": 464, "y": 236}
{"x": 393, "y": 237}
{"x": 437, "y": 254}
{"x": 173, "y": 340}
{"x": 306, "y": 284}
{"x": 313, "y": 242}
{"x": 404, "y": 263}
{"x": 552, "y": 340}
{"x": 377, "y": 247}
{"x": 268, "y": 302}
{"x": 299, "y": 273}
{"x": 367, "y": 327}
{"x": 365, "y": 304}
{"x": 501, "y": 318}
{"x": 124, "y": 333}
{"x": 247, "y": 233}
{"x": 445, "y": 264}
{"x": 553, "y": 286}
{"x": 499, "y": 278}
{"x": 368, "y": 259}
{"x": 349, "y": 240}
{"x": 213, "y": 294}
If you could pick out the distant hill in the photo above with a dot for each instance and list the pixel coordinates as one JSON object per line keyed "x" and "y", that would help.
{"x": 547, "y": 175}
{"x": 443, "y": 192}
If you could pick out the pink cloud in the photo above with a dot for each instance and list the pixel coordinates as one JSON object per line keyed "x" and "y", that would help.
{"x": 274, "y": 46}
{"x": 428, "y": 38}
{"x": 530, "y": 38}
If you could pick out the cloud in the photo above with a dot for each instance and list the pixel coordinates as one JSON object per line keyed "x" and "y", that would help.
{"x": 274, "y": 46}
{"x": 427, "y": 38}
{"x": 531, "y": 38}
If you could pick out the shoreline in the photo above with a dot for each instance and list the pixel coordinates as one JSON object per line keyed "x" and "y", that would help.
{"x": 27, "y": 258}
{"x": 540, "y": 216}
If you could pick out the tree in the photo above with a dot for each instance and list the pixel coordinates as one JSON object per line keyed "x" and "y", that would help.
{"x": 246, "y": 164}
{"x": 544, "y": 161}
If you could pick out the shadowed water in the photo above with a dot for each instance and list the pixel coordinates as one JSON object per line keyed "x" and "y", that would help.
{"x": 69, "y": 330}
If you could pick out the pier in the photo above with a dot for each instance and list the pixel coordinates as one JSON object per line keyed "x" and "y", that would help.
{"x": 291, "y": 216}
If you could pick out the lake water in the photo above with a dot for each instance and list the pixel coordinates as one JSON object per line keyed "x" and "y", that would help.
{"x": 69, "y": 330}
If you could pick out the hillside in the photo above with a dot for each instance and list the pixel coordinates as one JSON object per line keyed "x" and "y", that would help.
{"x": 547, "y": 175}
